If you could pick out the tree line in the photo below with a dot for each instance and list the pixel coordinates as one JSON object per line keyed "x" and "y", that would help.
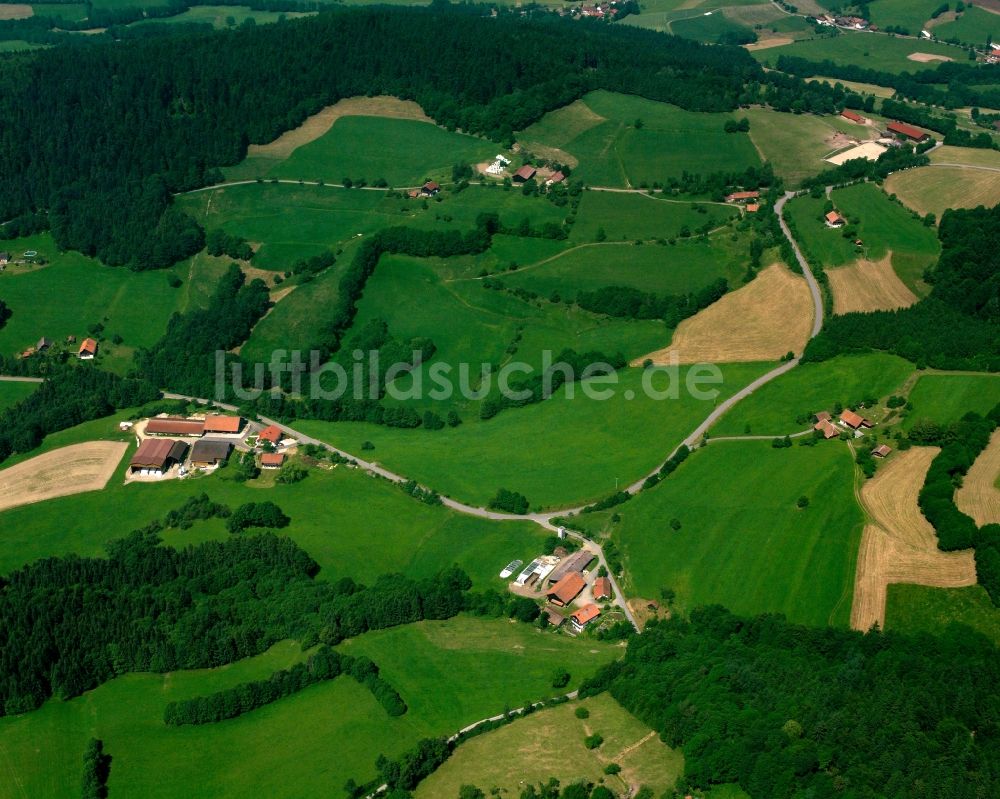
{"x": 789, "y": 711}
{"x": 957, "y": 326}
{"x": 68, "y": 624}
{"x": 324, "y": 664}
{"x": 96, "y": 770}
{"x": 633, "y": 303}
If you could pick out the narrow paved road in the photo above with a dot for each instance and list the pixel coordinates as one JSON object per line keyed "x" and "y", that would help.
{"x": 12, "y": 379}
{"x": 779, "y": 208}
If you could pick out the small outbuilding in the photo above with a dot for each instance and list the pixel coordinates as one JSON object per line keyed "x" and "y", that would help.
{"x": 430, "y": 188}
{"x": 43, "y": 344}
{"x": 272, "y": 460}
{"x": 853, "y": 117}
{"x": 881, "y": 451}
{"x": 826, "y": 428}
{"x": 833, "y": 219}
{"x": 524, "y": 174}
{"x": 602, "y": 589}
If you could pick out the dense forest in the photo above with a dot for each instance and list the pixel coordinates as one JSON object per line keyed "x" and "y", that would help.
{"x": 790, "y": 711}
{"x": 67, "y": 398}
{"x": 68, "y": 624}
{"x": 957, "y": 326}
{"x": 99, "y": 136}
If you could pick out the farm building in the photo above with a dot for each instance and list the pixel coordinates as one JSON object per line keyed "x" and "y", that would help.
{"x": 853, "y": 117}
{"x": 826, "y": 428}
{"x": 854, "y": 421}
{"x": 566, "y": 590}
{"x": 4, "y": 258}
{"x": 823, "y": 416}
{"x": 43, "y": 344}
{"x": 555, "y": 177}
{"x": 88, "y": 350}
{"x": 881, "y": 451}
{"x": 584, "y": 616}
{"x": 602, "y": 588}
{"x": 156, "y": 456}
{"x": 175, "y": 427}
{"x": 833, "y": 219}
{"x": 430, "y": 188}
{"x": 210, "y": 452}
{"x": 272, "y": 433}
{"x": 524, "y": 174}
{"x": 413, "y": 193}
{"x": 907, "y": 131}
{"x": 216, "y": 423}
{"x": 742, "y": 196}
{"x": 272, "y": 460}
{"x": 555, "y": 619}
{"x": 753, "y": 208}
{"x": 575, "y": 563}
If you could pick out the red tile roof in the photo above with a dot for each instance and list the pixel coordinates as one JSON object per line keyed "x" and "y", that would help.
{"x": 826, "y": 428}
{"x": 742, "y": 195}
{"x": 602, "y": 588}
{"x": 907, "y": 130}
{"x": 833, "y": 218}
{"x": 215, "y": 423}
{"x": 526, "y": 172}
{"x": 851, "y": 419}
{"x": 586, "y": 614}
{"x": 272, "y": 459}
{"x": 88, "y": 347}
{"x": 852, "y": 116}
{"x": 152, "y": 453}
{"x": 567, "y": 589}
{"x": 271, "y": 433}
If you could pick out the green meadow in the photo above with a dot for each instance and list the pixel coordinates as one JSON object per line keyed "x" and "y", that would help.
{"x": 521, "y": 752}
{"x": 450, "y": 673}
{"x": 780, "y": 407}
{"x": 973, "y": 26}
{"x": 80, "y": 292}
{"x": 922, "y": 609}
{"x": 643, "y": 217}
{"x": 403, "y": 152}
{"x": 350, "y": 523}
{"x": 912, "y": 15}
{"x": 946, "y": 398}
{"x": 707, "y": 28}
{"x": 764, "y": 556}
{"x": 873, "y": 51}
{"x": 12, "y": 393}
{"x": 882, "y": 224}
{"x": 795, "y": 144}
{"x": 223, "y": 16}
{"x": 558, "y": 452}
{"x": 621, "y": 140}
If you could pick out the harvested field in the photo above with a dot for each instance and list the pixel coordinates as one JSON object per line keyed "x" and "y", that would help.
{"x": 16, "y": 11}
{"x": 765, "y": 44}
{"x": 933, "y": 189}
{"x": 924, "y": 58}
{"x": 69, "y": 470}
{"x": 899, "y": 545}
{"x": 979, "y": 496}
{"x": 761, "y": 321}
{"x": 868, "y": 150}
{"x": 319, "y": 123}
{"x": 868, "y": 286}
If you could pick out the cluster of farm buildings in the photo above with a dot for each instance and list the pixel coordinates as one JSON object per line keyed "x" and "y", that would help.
{"x": 846, "y": 22}
{"x": 87, "y": 350}
{"x": 894, "y": 135}
{"x": 171, "y": 446}
{"x": 567, "y": 583}
{"x": 849, "y": 422}
{"x": 750, "y": 200}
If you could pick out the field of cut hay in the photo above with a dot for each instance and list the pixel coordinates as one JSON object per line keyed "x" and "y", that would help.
{"x": 979, "y": 496}
{"x": 899, "y": 545}
{"x": 762, "y": 321}
{"x": 16, "y": 11}
{"x": 868, "y": 286}
{"x": 932, "y": 189}
{"x": 69, "y": 470}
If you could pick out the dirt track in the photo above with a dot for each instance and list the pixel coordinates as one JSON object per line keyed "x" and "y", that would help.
{"x": 61, "y": 472}
{"x": 868, "y": 286}
{"x": 979, "y": 496}
{"x": 761, "y": 321}
{"x": 899, "y": 545}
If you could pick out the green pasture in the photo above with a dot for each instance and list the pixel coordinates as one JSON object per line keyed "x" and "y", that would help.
{"x": 912, "y": 15}
{"x": 882, "y": 224}
{"x": 351, "y": 524}
{"x": 72, "y": 292}
{"x": 70, "y": 11}
{"x": 777, "y": 408}
{"x": 223, "y": 16}
{"x": 973, "y": 26}
{"x": 522, "y": 752}
{"x": 795, "y": 144}
{"x": 946, "y": 398}
{"x": 760, "y": 556}
{"x": 557, "y": 452}
{"x": 601, "y": 133}
{"x": 403, "y": 152}
{"x": 706, "y": 26}
{"x": 13, "y": 393}
{"x": 922, "y": 609}
{"x": 628, "y": 217}
{"x": 870, "y": 50}
{"x": 456, "y": 672}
